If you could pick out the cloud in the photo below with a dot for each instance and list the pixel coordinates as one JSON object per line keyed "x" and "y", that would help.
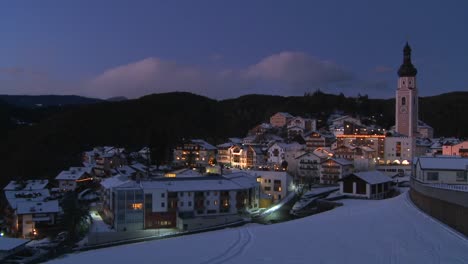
{"x": 299, "y": 70}
{"x": 383, "y": 69}
{"x": 11, "y": 70}
{"x": 153, "y": 75}
{"x": 286, "y": 73}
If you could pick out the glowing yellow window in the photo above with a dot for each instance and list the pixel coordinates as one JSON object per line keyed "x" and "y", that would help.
{"x": 137, "y": 206}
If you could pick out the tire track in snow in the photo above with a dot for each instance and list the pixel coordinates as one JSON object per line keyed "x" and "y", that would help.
{"x": 232, "y": 247}
{"x": 241, "y": 249}
{"x": 244, "y": 239}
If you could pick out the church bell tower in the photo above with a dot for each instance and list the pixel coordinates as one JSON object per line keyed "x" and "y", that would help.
{"x": 406, "y": 112}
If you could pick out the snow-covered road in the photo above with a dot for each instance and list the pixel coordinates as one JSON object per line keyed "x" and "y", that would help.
{"x": 362, "y": 231}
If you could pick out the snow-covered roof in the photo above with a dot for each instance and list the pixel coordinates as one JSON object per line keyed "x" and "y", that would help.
{"x": 306, "y": 153}
{"x": 29, "y": 185}
{"x": 343, "y": 162}
{"x": 9, "y": 243}
{"x": 225, "y": 145}
{"x": 421, "y": 124}
{"x": 285, "y": 114}
{"x": 206, "y": 183}
{"x": 443, "y": 163}
{"x": 74, "y": 173}
{"x": 288, "y": 146}
{"x": 372, "y": 177}
{"x": 235, "y": 140}
{"x": 125, "y": 170}
{"x": 15, "y": 197}
{"x": 185, "y": 173}
{"x": 31, "y": 207}
{"x": 114, "y": 181}
{"x": 139, "y": 167}
{"x": 203, "y": 144}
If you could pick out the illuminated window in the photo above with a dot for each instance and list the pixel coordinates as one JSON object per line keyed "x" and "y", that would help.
{"x": 137, "y": 206}
{"x": 215, "y": 202}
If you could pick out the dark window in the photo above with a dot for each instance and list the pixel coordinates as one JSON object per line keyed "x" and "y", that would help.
{"x": 433, "y": 176}
{"x": 403, "y": 101}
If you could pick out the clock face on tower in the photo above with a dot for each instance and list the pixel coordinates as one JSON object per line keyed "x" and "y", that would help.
{"x": 403, "y": 109}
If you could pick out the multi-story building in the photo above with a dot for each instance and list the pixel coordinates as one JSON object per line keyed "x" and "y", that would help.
{"x": 278, "y": 153}
{"x": 317, "y": 139}
{"x": 399, "y": 150}
{"x": 280, "y": 119}
{"x": 308, "y": 168}
{"x": 194, "y": 153}
{"x": 298, "y": 126}
{"x": 70, "y": 179}
{"x": 331, "y": 170}
{"x": 459, "y": 149}
{"x": 275, "y": 185}
{"x": 375, "y": 142}
{"x": 181, "y": 202}
{"x": 424, "y": 130}
{"x": 30, "y": 207}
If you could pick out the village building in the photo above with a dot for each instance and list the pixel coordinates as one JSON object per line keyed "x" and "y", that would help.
{"x": 369, "y": 184}
{"x": 308, "y": 168}
{"x": 441, "y": 170}
{"x": 280, "y": 119}
{"x": 30, "y": 207}
{"x": 279, "y": 153}
{"x": 315, "y": 139}
{"x": 183, "y": 203}
{"x": 274, "y": 185}
{"x": 69, "y": 180}
{"x": 194, "y": 153}
{"x": 331, "y": 170}
{"x": 458, "y": 149}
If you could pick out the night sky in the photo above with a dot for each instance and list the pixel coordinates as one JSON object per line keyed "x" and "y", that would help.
{"x": 224, "y": 49}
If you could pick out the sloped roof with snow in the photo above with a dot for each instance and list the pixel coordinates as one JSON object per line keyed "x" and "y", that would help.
{"x": 9, "y": 243}
{"x": 443, "y": 163}
{"x": 285, "y": 114}
{"x": 29, "y": 185}
{"x": 74, "y": 173}
{"x": 206, "y": 183}
{"x": 38, "y": 207}
{"x": 372, "y": 177}
{"x": 203, "y": 144}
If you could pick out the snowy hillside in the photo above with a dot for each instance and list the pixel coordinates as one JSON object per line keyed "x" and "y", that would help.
{"x": 362, "y": 231}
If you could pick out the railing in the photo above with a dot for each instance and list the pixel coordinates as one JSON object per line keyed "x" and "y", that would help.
{"x": 462, "y": 188}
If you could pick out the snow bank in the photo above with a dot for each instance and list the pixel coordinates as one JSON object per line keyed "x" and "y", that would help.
{"x": 361, "y": 231}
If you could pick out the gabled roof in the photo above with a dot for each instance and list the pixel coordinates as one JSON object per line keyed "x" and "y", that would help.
{"x": 29, "y": 185}
{"x": 38, "y": 207}
{"x": 307, "y": 153}
{"x": 8, "y": 243}
{"x": 204, "y": 144}
{"x": 442, "y": 163}
{"x": 285, "y": 114}
{"x": 342, "y": 162}
{"x": 74, "y": 173}
{"x": 371, "y": 177}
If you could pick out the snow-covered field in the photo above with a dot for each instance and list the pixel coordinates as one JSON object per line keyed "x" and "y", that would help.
{"x": 362, "y": 231}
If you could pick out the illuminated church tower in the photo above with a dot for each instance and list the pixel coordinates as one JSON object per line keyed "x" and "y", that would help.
{"x": 406, "y": 115}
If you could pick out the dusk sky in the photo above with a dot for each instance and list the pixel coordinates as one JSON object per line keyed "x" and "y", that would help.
{"x": 224, "y": 49}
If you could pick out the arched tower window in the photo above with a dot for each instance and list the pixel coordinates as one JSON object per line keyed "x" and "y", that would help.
{"x": 403, "y": 101}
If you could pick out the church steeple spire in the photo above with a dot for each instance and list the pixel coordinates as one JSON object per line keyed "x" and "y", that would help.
{"x": 407, "y": 69}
